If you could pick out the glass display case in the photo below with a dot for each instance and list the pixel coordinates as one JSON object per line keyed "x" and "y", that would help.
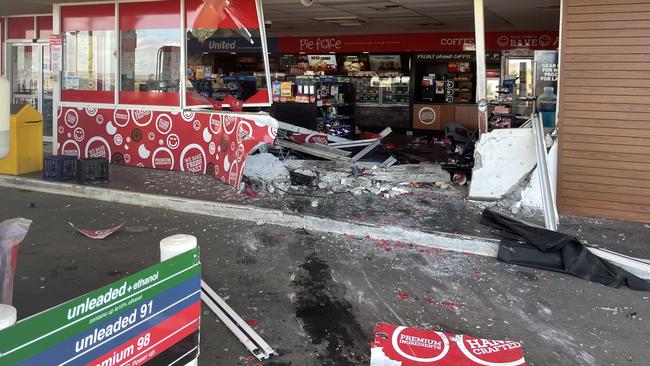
{"x": 367, "y": 90}
{"x": 395, "y": 90}
{"x": 382, "y": 90}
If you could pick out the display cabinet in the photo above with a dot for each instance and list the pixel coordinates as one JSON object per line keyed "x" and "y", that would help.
{"x": 382, "y": 90}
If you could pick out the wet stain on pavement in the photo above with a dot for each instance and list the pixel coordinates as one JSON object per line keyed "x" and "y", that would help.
{"x": 327, "y": 317}
{"x": 114, "y": 274}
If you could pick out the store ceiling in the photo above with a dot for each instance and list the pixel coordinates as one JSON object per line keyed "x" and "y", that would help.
{"x": 408, "y": 16}
{"x": 290, "y": 17}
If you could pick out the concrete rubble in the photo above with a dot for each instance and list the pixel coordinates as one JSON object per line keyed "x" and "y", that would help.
{"x": 266, "y": 172}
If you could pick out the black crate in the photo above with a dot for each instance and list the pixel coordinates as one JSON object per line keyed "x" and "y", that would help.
{"x": 93, "y": 171}
{"x": 60, "y": 167}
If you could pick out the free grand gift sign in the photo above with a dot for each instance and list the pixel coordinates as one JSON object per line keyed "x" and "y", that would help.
{"x": 151, "y": 317}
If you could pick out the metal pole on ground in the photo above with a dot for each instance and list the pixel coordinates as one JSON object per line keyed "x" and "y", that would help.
{"x": 551, "y": 216}
{"x": 173, "y": 246}
{"x": 481, "y": 83}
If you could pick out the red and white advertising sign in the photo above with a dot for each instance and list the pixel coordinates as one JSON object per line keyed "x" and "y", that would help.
{"x": 98, "y": 234}
{"x": 309, "y": 139}
{"x": 419, "y": 42}
{"x": 402, "y": 346}
{"x": 216, "y": 144}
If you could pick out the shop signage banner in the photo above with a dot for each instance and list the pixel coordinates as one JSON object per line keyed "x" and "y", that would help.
{"x": 151, "y": 317}
{"x": 395, "y": 345}
{"x": 224, "y": 45}
{"x": 455, "y": 56}
{"x": 56, "y": 52}
{"x": 419, "y": 42}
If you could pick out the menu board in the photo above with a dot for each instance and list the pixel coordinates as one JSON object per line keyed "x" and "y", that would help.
{"x": 385, "y": 62}
{"x": 318, "y": 61}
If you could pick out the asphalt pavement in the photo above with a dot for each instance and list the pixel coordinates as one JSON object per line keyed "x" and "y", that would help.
{"x": 316, "y": 298}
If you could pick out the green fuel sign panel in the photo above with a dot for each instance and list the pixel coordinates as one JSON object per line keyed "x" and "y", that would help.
{"x": 151, "y": 317}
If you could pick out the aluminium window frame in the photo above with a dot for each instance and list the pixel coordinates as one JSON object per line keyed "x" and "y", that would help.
{"x": 183, "y": 64}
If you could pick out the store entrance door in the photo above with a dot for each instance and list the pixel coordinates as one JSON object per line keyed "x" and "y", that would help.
{"x": 29, "y": 74}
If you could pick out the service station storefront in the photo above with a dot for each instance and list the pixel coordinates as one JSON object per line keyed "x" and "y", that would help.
{"x": 117, "y": 79}
{"x": 118, "y": 87}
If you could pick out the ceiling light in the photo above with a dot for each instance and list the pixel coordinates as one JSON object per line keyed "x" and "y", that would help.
{"x": 307, "y": 2}
{"x": 347, "y": 21}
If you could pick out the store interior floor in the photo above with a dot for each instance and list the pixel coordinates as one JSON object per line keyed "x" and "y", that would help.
{"x": 420, "y": 148}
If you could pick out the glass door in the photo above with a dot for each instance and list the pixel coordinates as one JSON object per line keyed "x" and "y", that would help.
{"x": 30, "y": 80}
{"x": 47, "y": 96}
{"x": 25, "y": 74}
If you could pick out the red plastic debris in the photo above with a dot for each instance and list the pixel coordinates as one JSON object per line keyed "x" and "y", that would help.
{"x": 251, "y": 322}
{"x": 385, "y": 245}
{"x": 370, "y": 135}
{"x": 250, "y": 192}
{"x": 404, "y": 296}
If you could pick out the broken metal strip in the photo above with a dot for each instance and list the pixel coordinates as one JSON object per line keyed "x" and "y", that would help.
{"x": 306, "y": 131}
{"x": 327, "y": 148}
{"x": 637, "y": 266}
{"x": 389, "y": 162}
{"x": 387, "y": 131}
{"x": 366, "y": 151}
{"x": 246, "y": 335}
{"x": 359, "y": 143}
{"x": 551, "y": 216}
{"x": 312, "y": 151}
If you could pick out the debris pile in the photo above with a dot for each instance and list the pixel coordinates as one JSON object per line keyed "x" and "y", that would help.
{"x": 303, "y": 160}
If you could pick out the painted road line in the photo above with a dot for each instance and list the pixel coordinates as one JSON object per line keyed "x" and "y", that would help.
{"x": 195, "y": 349}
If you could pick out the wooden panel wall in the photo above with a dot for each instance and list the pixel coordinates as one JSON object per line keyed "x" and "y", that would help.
{"x": 604, "y": 162}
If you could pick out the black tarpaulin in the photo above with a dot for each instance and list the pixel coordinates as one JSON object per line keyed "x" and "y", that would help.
{"x": 534, "y": 246}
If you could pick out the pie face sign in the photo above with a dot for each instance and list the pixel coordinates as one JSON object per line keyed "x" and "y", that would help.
{"x": 403, "y": 346}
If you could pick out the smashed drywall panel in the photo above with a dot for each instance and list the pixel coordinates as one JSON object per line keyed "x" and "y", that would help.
{"x": 531, "y": 196}
{"x": 502, "y": 159}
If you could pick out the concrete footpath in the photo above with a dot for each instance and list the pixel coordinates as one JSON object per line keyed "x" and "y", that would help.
{"x": 440, "y": 218}
{"x": 316, "y": 297}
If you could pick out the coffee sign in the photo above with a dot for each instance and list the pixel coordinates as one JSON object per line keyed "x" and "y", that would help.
{"x": 427, "y": 116}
